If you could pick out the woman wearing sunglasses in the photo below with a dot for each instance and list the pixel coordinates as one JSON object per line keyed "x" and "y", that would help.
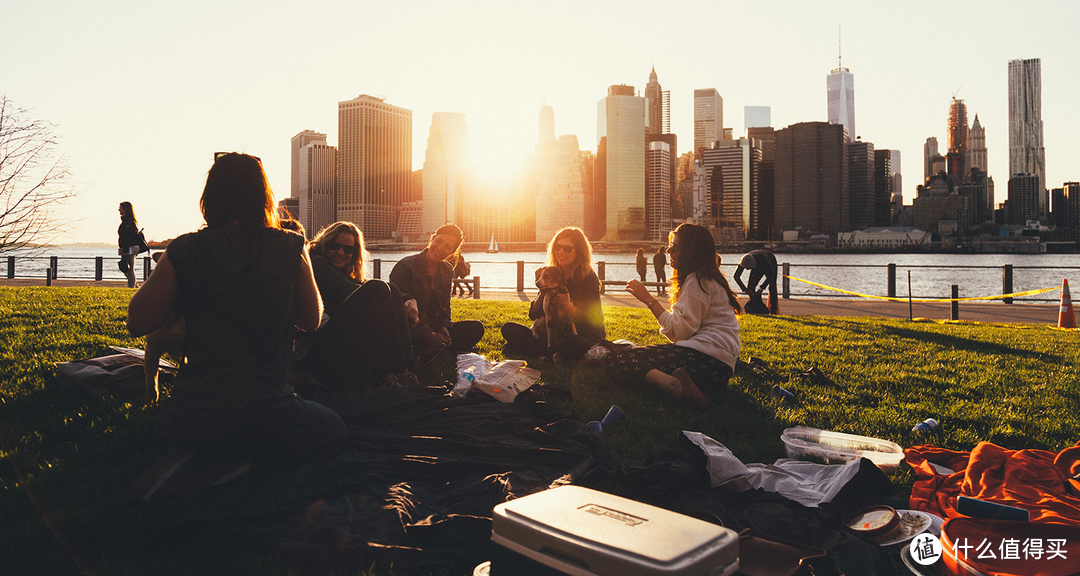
{"x": 241, "y": 284}
{"x": 571, "y": 252}
{"x": 428, "y": 276}
{"x": 367, "y": 334}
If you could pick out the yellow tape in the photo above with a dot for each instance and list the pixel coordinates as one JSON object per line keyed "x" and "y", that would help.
{"x": 998, "y": 297}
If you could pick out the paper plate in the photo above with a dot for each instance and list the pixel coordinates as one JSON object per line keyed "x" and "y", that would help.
{"x": 915, "y": 522}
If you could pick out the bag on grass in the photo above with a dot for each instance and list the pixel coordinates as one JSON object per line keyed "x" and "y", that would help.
{"x": 113, "y": 374}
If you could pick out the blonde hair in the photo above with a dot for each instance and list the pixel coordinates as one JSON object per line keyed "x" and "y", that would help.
{"x": 583, "y": 263}
{"x": 330, "y": 232}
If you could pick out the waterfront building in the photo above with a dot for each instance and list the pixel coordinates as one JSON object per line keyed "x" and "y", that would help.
{"x": 411, "y": 222}
{"x": 658, "y": 199}
{"x": 879, "y": 238}
{"x": 1024, "y": 199}
{"x": 708, "y": 118}
{"x": 756, "y": 117}
{"x": 897, "y": 185}
{"x": 374, "y": 164}
{"x": 698, "y": 212}
{"x": 1026, "y": 152}
{"x": 930, "y": 151}
{"x": 621, "y": 120}
{"x": 444, "y": 191}
{"x": 1072, "y": 204}
{"x": 811, "y": 179}
{"x": 295, "y": 144}
{"x": 317, "y": 200}
{"x": 732, "y": 172}
{"x": 883, "y": 177}
{"x": 935, "y": 208}
{"x": 761, "y": 202}
{"x": 560, "y": 201}
{"x": 861, "y": 185}
{"x": 974, "y": 191}
{"x": 841, "y": 98}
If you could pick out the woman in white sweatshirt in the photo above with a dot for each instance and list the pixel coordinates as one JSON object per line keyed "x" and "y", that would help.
{"x": 701, "y": 325}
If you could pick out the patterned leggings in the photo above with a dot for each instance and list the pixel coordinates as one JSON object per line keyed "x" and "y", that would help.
{"x": 632, "y": 364}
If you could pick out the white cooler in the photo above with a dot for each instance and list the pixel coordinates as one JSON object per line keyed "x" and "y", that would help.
{"x": 583, "y": 532}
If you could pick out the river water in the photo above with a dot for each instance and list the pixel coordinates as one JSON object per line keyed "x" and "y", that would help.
{"x": 931, "y": 274}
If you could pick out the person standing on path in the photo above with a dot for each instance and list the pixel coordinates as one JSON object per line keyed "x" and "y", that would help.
{"x": 659, "y": 262}
{"x": 642, "y": 264}
{"x": 129, "y": 241}
{"x": 762, "y": 265}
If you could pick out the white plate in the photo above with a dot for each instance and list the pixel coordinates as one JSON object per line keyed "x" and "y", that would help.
{"x": 927, "y": 523}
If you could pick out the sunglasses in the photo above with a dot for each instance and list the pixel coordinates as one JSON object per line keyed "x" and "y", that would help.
{"x": 568, "y": 248}
{"x": 334, "y": 246}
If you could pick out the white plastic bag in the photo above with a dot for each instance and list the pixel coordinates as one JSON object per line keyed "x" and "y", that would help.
{"x": 470, "y": 367}
{"x": 507, "y": 379}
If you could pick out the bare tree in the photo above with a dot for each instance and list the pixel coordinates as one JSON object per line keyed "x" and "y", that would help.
{"x": 34, "y": 180}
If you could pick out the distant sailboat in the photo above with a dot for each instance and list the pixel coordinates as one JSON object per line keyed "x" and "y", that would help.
{"x": 494, "y": 246}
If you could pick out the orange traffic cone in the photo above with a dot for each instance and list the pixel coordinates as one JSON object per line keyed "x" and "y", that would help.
{"x": 1066, "y": 317}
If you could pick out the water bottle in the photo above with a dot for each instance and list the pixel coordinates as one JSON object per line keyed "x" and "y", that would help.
{"x": 465, "y": 381}
{"x": 928, "y": 426}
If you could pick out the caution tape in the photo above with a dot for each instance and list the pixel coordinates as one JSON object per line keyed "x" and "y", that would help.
{"x": 998, "y": 297}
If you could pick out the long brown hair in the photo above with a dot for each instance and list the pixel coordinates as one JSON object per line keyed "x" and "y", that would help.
{"x": 583, "y": 264}
{"x": 453, "y": 230}
{"x": 355, "y": 267}
{"x": 237, "y": 191}
{"x": 697, "y": 255}
{"x": 128, "y": 213}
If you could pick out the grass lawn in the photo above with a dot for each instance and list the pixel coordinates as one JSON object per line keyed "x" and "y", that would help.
{"x": 75, "y": 454}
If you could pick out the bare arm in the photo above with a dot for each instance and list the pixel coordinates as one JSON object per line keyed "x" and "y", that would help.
{"x": 150, "y": 306}
{"x": 309, "y": 306}
{"x": 639, "y": 291}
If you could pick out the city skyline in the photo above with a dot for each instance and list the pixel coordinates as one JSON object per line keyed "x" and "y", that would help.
{"x": 143, "y": 97}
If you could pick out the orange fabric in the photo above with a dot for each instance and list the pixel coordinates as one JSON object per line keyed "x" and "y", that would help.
{"x": 1036, "y": 480}
{"x": 1003, "y": 548}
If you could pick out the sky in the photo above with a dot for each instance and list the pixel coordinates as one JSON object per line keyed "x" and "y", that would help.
{"x": 143, "y": 93}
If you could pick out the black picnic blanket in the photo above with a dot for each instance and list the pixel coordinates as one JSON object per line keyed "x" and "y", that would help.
{"x": 423, "y": 471}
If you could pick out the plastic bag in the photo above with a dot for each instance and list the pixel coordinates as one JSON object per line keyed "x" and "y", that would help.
{"x": 470, "y": 367}
{"x": 507, "y": 379}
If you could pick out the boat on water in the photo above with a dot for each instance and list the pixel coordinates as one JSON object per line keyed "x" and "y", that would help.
{"x": 493, "y": 247}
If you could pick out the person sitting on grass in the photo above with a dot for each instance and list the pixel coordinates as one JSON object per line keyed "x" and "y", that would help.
{"x": 366, "y": 336}
{"x": 427, "y": 276}
{"x": 241, "y": 284}
{"x": 701, "y": 325}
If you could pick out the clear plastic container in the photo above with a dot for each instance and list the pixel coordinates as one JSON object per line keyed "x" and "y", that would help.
{"x": 838, "y": 447}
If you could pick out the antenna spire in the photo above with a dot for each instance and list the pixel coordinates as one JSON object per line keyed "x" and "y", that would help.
{"x": 839, "y": 46}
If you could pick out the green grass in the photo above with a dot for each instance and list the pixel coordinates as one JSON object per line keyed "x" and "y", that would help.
{"x": 75, "y": 454}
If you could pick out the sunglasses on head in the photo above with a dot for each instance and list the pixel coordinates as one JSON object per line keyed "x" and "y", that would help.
{"x": 568, "y": 248}
{"x": 333, "y": 246}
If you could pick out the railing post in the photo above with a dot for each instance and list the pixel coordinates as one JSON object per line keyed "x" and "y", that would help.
{"x": 786, "y": 292}
{"x": 48, "y": 276}
{"x": 955, "y": 304}
{"x": 10, "y": 266}
{"x": 53, "y": 265}
{"x": 145, "y": 268}
{"x": 476, "y": 287}
{"x": 520, "y": 275}
{"x": 600, "y": 273}
{"x": 99, "y": 265}
{"x": 1006, "y": 282}
{"x": 376, "y": 268}
{"x": 892, "y": 280}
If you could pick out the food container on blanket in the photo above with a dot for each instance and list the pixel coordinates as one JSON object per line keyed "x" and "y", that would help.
{"x": 837, "y": 447}
{"x": 579, "y": 531}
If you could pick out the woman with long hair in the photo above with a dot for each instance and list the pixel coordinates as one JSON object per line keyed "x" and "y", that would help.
{"x": 570, "y": 251}
{"x": 129, "y": 241}
{"x": 366, "y": 336}
{"x": 243, "y": 286}
{"x": 701, "y": 325}
{"x": 428, "y": 276}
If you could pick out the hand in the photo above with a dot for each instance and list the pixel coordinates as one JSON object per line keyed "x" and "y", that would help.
{"x": 412, "y": 312}
{"x": 151, "y": 396}
{"x": 442, "y": 337}
{"x": 639, "y": 291}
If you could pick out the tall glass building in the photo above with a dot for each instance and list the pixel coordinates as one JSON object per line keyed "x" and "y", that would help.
{"x": 621, "y": 119}
{"x": 841, "y": 89}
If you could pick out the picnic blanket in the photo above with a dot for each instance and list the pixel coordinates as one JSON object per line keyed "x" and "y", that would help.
{"x": 1045, "y": 483}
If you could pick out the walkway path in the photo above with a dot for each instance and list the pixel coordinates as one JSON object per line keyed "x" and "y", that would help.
{"x": 974, "y": 311}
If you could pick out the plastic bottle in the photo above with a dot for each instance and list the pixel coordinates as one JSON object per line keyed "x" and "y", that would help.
{"x": 465, "y": 381}
{"x": 926, "y": 426}
{"x": 779, "y": 393}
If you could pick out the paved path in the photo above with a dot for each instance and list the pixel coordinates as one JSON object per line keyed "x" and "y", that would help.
{"x": 974, "y": 311}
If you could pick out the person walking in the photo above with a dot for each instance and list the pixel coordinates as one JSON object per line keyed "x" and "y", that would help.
{"x": 129, "y": 240}
{"x": 659, "y": 262}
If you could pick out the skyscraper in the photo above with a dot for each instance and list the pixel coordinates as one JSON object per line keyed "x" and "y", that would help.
{"x": 374, "y": 164}
{"x": 560, "y": 201}
{"x": 658, "y": 193}
{"x": 1026, "y": 152}
{"x": 621, "y": 119}
{"x": 811, "y": 178}
{"x": 708, "y": 118}
{"x": 861, "y": 185}
{"x": 841, "y": 92}
{"x": 976, "y": 146}
{"x": 958, "y": 141}
{"x": 444, "y": 170}
{"x": 930, "y": 150}
{"x": 547, "y": 124}
{"x": 757, "y": 117}
{"x": 299, "y": 141}
{"x": 897, "y": 185}
{"x": 318, "y": 182}
{"x": 733, "y": 181}
{"x": 656, "y": 105}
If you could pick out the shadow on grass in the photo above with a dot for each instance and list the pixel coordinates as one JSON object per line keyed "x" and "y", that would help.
{"x": 967, "y": 344}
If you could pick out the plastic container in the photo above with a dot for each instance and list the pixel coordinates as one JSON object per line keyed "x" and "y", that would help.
{"x": 837, "y": 447}
{"x": 614, "y": 416}
{"x": 778, "y": 393}
{"x": 585, "y": 532}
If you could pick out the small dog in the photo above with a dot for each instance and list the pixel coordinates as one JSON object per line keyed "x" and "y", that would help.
{"x": 167, "y": 339}
{"x": 555, "y": 322}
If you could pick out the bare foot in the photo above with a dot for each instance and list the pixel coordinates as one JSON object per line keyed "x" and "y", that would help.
{"x": 690, "y": 393}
